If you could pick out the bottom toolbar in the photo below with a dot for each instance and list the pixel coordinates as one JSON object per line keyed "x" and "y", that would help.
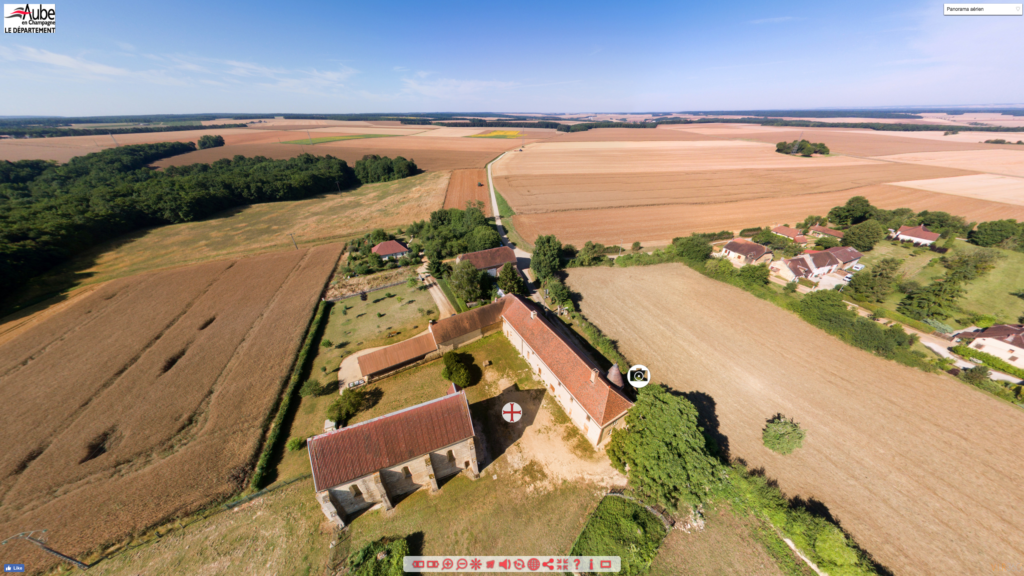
{"x": 512, "y": 564}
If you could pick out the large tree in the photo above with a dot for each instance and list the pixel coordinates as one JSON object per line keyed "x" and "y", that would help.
{"x": 864, "y": 236}
{"x": 545, "y": 261}
{"x": 995, "y": 232}
{"x": 510, "y": 281}
{"x": 694, "y": 249}
{"x": 465, "y": 280}
{"x": 877, "y": 282}
{"x": 856, "y": 210}
{"x": 663, "y": 450}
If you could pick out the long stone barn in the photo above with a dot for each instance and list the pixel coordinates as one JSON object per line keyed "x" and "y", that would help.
{"x": 371, "y": 463}
{"x": 595, "y": 403}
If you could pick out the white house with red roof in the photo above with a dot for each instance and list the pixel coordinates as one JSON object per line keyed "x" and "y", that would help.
{"x": 391, "y": 249}
{"x": 917, "y": 234}
{"x": 1005, "y": 341}
{"x": 812, "y": 265}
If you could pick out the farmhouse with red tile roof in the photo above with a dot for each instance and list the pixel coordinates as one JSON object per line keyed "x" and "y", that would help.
{"x": 489, "y": 261}
{"x": 1004, "y": 341}
{"x": 791, "y": 233}
{"x": 917, "y": 235}
{"x": 820, "y": 231}
{"x": 742, "y": 252}
{"x": 390, "y": 249}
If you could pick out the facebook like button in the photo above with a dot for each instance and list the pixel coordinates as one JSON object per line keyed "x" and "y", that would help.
{"x": 14, "y": 567}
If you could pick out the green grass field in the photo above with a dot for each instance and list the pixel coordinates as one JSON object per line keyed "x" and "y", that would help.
{"x": 507, "y": 213}
{"x": 324, "y": 139}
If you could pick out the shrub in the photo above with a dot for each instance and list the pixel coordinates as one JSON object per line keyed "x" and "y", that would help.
{"x": 790, "y": 288}
{"x": 454, "y": 370}
{"x": 636, "y": 247}
{"x": 296, "y": 444}
{"x": 325, "y": 343}
{"x": 311, "y": 387}
{"x": 782, "y": 435}
{"x": 619, "y": 527}
{"x": 391, "y": 552}
{"x": 989, "y": 360}
{"x": 347, "y": 406}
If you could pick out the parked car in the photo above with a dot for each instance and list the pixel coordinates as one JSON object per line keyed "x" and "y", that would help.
{"x": 848, "y": 277}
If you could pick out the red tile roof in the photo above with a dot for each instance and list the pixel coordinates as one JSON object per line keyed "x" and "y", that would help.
{"x": 845, "y": 254}
{"x": 397, "y": 354}
{"x": 919, "y": 232}
{"x": 353, "y": 452}
{"x": 828, "y": 231}
{"x": 746, "y": 248}
{"x": 791, "y": 233}
{"x": 1012, "y": 334}
{"x": 599, "y": 398}
{"x": 452, "y": 327}
{"x": 493, "y": 258}
{"x": 390, "y": 247}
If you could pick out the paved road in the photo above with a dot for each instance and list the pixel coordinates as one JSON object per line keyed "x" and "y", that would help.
{"x": 521, "y": 255}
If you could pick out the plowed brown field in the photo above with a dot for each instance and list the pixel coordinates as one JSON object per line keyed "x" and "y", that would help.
{"x": 147, "y": 398}
{"x": 462, "y": 188}
{"x": 921, "y": 469}
{"x": 662, "y": 223}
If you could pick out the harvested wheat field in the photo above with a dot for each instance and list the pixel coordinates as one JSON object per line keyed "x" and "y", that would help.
{"x": 530, "y": 194}
{"x": 628, "y": 135}
{"x": 869, "y": 143}
{"x": 1003, "y": 162}
{"x": 921, "y": 469}
{"x": 65, "y": 148}
{"x": 1007, "y": 189}
{"x": 148, "y": 398}
{"x": 553, "y": 158}
{"x": 463, "y": 188}
{"x": 660, "y": 223}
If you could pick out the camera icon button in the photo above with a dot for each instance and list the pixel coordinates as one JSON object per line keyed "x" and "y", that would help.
{"x": 638, "y": 376}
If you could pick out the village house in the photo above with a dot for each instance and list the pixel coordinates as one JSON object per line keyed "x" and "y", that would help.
{"x": 791, "y": 233}
{"x": 810, "y": 265}
{"x": 1004, "y": 341}
{"x": 848, "y": 257}
{"x": 372, "y": 463}
{"x": 390, "y": 250}
{"x": 919, "y": 235}
{"x": 743, "y": 252}
{"x": 489, "y": 261}
{"x": 821, "y": 232}
{"x": 594, "y": 402}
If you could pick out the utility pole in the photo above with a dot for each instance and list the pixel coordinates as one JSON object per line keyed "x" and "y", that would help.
{"x": 116, "y": 145}
{"x": 293, "y": 240}
{"x": 42, "y": 544}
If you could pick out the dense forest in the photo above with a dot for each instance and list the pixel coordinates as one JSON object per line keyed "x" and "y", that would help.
{"x": 814, "y": 114}
{"x": 56, "y": 131}
{"x": 802, "y": 147}
{"x": 51, "y": 212}
{"x": 374, "y": 168}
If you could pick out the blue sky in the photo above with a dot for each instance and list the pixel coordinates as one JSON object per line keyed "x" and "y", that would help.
{"x": 346, "y": 57}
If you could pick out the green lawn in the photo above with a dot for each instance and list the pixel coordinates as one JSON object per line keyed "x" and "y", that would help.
{"x": 506, "y": 212}
{"x": 324, "y": 139}
{"x": 457, "y": 303}
{"x": 993, "y": 294}
{"x": 350, "y": 330}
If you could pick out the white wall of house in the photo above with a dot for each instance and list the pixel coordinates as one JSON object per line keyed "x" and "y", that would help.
{"x": 1012, "y": 354}
{"x": 577, "y": 415}
{"x": 920, "y": 241}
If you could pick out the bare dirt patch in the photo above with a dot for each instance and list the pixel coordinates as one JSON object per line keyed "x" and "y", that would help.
{"x": 923, "y": 470}
{"x": 152, "y": 402}
{"x": 1004, "y": 162}
{"x": 463, "y": 187}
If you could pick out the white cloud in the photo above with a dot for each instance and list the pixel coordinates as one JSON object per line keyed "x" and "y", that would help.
{"x": 62, "y": 61}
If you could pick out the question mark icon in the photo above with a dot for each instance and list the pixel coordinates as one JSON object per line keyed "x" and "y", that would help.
{"x": 577, "y": 560}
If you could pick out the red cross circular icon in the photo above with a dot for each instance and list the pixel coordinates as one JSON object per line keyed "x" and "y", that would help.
{"x": 511, "y": 412}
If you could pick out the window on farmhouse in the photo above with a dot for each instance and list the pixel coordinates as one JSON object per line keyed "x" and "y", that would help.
{"x": 405, "y": 472}
{"x": 356, "y": 492}
{"x": 451, "y": 457}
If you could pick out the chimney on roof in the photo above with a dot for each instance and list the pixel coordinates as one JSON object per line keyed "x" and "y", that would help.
{"x": 593, "y": 376}
{"x": 533, "y": 314}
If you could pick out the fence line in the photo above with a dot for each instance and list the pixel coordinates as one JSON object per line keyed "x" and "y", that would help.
{"x": 346, "y": 296}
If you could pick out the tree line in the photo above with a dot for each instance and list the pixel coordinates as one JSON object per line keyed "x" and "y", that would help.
{"x": 52, "y": 132}
{"x": 51, "y": 212}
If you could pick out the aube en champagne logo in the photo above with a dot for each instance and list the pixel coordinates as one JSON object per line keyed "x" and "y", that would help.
{"x": 30, "y": 18}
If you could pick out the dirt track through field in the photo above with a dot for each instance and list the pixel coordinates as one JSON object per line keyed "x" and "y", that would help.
{"x": 148, "y": 397}
{"x": 924, "y": 471}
